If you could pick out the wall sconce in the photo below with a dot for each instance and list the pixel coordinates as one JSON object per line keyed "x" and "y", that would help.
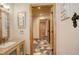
{"x": 74, "y": 19}
{"x": 5, "y": 6}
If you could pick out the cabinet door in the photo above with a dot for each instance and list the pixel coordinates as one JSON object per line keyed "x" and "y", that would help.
{"x": 14, "y": 52}
{"x": 21, "y": 49}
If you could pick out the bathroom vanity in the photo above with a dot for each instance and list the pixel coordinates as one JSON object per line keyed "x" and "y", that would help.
{"x": 13, "y": 48}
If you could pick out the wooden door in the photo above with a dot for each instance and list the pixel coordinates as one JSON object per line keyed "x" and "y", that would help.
{"x": 42, "y": 29}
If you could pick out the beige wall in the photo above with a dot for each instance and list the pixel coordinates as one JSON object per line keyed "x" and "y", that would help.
{"x": 26, "y": 35}
{"x": 36, "y": 28}
{"x": 14, "y": 31}
{"x": 67, "y": 36}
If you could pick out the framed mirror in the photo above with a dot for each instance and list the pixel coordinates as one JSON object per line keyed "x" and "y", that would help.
{"x": 5, "y": 26}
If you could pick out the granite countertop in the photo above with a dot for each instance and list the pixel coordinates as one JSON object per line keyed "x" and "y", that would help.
{"x": 4, "y": 50}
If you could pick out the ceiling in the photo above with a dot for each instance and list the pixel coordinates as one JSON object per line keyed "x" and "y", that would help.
{"x": 41, "y": 4}
{"x": 44, "y": 10}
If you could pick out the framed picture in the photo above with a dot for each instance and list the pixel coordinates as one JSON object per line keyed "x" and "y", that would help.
{"x": 21, "y": 20}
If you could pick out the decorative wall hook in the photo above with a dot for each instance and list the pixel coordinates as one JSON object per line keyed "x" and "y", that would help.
{"x": 74, "y": 19}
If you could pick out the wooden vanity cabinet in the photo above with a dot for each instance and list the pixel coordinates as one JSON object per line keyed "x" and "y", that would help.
{"x": 22, "y": 48}
{"x": 19, "y": 49}
{"x": 12, "y": 51}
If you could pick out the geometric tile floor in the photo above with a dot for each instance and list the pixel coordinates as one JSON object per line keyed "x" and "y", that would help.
{"x": 42, "y": 47}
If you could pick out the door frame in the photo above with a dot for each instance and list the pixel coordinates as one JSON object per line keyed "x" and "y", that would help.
{"x": 54, "y": 30}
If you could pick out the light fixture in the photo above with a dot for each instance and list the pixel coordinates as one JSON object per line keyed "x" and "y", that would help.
{"x": 38, "y": 7}
{"x": 1, "y": 3}
{"x": 5, "y": 6}
{"x": 41, "y": 17}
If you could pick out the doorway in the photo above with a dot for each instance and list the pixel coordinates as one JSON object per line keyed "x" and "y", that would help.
{"x": 42, "y": 30}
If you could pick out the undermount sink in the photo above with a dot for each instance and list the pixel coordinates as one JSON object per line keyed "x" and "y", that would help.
{"x": 7, "y": 44}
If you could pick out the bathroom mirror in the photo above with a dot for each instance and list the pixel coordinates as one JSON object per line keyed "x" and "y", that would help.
{"x": 5, "y": 26}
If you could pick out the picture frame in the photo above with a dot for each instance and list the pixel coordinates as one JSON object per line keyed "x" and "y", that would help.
{"x": 21, "y": 20}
